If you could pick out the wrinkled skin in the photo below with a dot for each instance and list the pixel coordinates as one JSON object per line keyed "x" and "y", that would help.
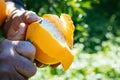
{"x": 16, "y": 60}
{"x": 17, "y": 23}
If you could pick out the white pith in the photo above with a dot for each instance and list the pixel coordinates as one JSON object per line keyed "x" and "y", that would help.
{"x": 50, "y": 27}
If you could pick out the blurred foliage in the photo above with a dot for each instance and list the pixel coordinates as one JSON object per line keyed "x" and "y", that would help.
{"x": 104, "y": 65}
{"x": 103, "y": 22}
{"x": 95, "y": 20}
{"x": 97, "y": 30}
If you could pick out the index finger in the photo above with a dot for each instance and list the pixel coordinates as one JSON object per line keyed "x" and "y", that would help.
{"x": 26, "y": 49}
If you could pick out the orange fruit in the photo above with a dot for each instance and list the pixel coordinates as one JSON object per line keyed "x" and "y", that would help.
{"x": 53, "y": 39}
{"x": 2, "y": 11}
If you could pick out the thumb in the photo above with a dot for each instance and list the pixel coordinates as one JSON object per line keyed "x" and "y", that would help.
{"x": 26, "y": 49}
{"x": 29, "y": 17}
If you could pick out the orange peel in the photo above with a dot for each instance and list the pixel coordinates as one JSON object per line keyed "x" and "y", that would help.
{"x": 51, "y": 50}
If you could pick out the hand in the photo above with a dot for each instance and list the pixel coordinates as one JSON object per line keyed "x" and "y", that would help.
{"x": 17, "y": 23}
{"x": 16, "y": 60}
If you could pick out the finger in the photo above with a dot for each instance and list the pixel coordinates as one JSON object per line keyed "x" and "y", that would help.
{"x": 15, "y": 28}
{"x": 14, "y": 75}
{"x": 24, "y": 66}
{"x": 29, "y": 17}
{"x": 16, "y": 20}
{"x": 8, "y": 72}
{"x": 13, "y": 21}
{"x": 18, "y": 76}
{"x": 18, "y": 35}
{"x": 21, "y": 31}
{"x": 8, "y": 22}
{"x": 26, "y": 49}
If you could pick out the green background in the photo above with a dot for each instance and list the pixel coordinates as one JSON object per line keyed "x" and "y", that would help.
{"x": 96, "y": 38}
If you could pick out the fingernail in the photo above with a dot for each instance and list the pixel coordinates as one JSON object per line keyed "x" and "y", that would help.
{"x": 34, "y": 16}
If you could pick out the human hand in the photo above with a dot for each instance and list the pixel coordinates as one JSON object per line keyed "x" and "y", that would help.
{"x": 17, "y": 23}
{"x": 16, "y": 60}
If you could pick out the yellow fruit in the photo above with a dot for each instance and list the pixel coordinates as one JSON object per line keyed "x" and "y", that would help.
{"x": 53, "y": 40}
{"x": 2, "y": 11}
